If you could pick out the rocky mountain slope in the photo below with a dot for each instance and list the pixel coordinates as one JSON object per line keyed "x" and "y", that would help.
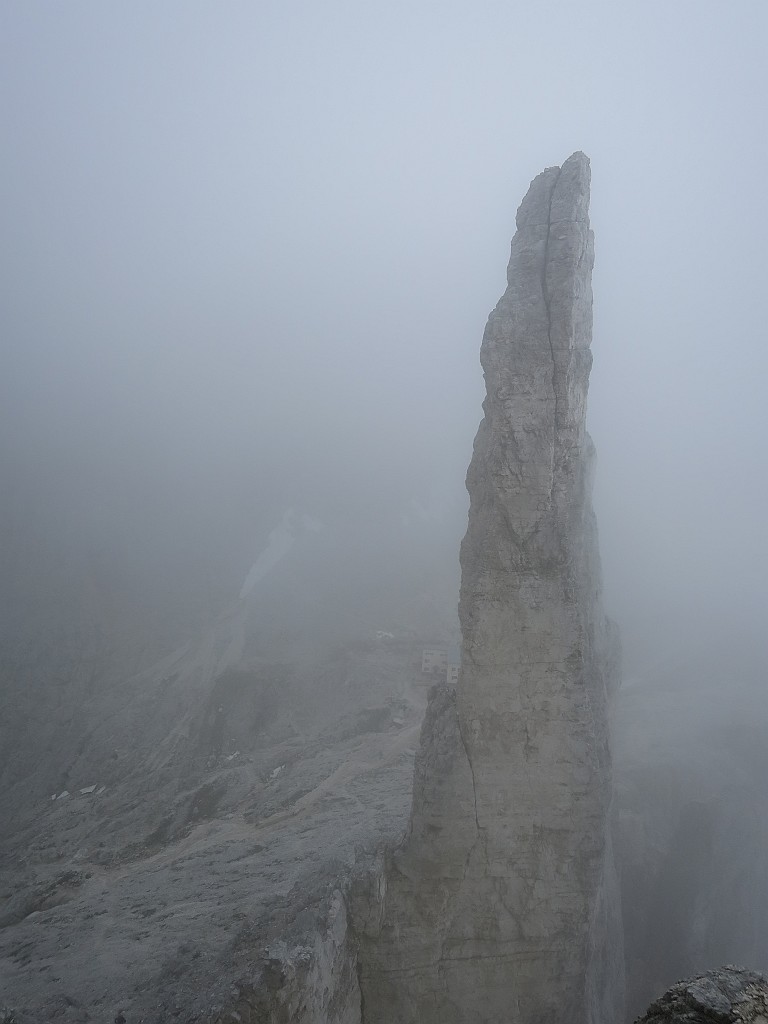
{"x": 162, "y": 895}
{"x": 218, "y": 799}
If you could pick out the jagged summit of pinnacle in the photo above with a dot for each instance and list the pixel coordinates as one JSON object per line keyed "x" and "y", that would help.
{"x": 572, "y": 202}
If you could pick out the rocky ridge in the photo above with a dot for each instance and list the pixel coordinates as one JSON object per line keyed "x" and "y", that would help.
{"x": 208, "y": 879}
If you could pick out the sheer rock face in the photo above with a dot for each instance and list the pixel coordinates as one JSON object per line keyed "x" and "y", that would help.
{"x": 502, "y": 904}
{"x": 730, "y": 994}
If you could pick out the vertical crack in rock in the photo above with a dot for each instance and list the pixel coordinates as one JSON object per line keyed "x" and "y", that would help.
{"x": 474, "y": 800}
{"x": 518, "y": 758}
{"x": 472, "y": 773}
{"x": 545, "y": 293}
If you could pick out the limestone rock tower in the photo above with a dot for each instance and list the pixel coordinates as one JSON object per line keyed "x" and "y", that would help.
{"x": 501, "y": 906}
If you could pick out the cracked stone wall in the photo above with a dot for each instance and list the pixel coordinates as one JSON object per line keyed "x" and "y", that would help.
{"x": 502, "y": 903}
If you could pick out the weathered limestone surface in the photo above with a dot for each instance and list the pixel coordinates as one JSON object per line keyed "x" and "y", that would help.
{"x": 502, "y": 904}
{"x": 729, "y": 994}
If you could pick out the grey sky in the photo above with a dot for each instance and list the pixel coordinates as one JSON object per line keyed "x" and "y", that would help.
{"x": 249, "y": 250}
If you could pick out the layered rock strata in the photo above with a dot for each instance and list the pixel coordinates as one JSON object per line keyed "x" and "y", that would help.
{"x": 502, "y": 905}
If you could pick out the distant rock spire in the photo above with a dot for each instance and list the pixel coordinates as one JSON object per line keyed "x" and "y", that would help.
{"x": 502, "y": 904}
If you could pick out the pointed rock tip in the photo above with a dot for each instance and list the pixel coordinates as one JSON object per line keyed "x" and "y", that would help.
{"x": 578, "y": 158}
{"x": 567, "y": 187}
{"x": 570, "y": 198}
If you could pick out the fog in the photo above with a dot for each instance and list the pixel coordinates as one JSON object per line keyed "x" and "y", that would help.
{"x": 248, "y": 253}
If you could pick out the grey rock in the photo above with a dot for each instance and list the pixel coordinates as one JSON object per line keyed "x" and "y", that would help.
{"x": 725, "y": 996}
{"x": 502, "y": 903}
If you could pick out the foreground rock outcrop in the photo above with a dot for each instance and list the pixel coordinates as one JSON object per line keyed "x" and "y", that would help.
{"x": 725, "y": 996}
{"x": 502, "y": 904}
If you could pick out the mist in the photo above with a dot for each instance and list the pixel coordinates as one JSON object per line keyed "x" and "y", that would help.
{"x": 248, "y": 253}
{"x": 249, "y": 256}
